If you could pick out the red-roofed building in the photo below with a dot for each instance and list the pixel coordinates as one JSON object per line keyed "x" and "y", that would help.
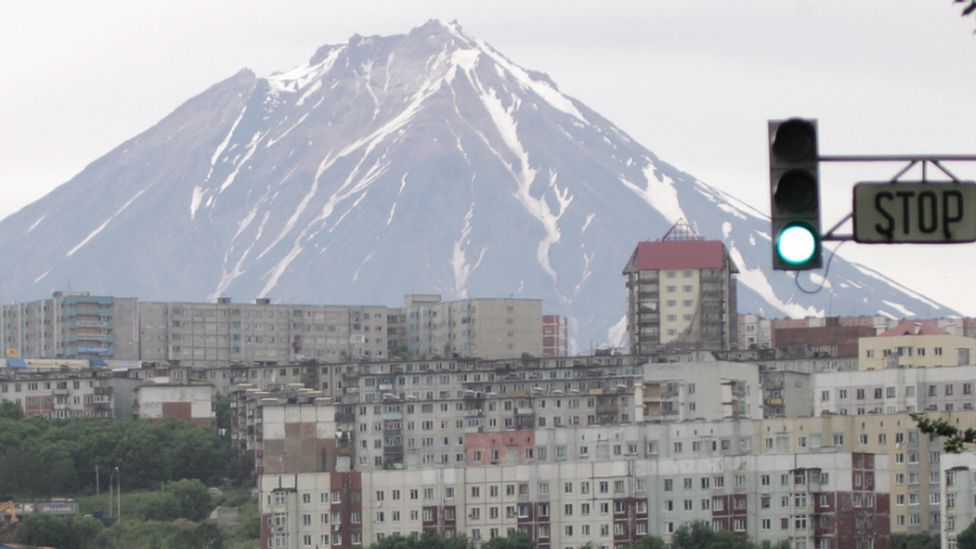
{"x": 915, "y": 344}
{"x": 915, "y": 327}
{"x": 681, "y": 295}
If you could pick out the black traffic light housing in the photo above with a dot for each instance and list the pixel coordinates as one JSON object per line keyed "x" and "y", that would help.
{"x": 794, "y": 194}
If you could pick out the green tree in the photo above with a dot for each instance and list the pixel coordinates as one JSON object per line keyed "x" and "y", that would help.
{"x": 915, "y": 541}
{"x": 222, "y": 410}
{"x": 700, "y": 535}
{"x": 967, "y": 538}
{"x": 428, "y": 540}
{"x": 648, "y": 542}
{"x": 192, "y": 497}
{"x": 518, "y": 540}
{"x": 204, "y": 536}
{"x": 60, "y": 532}
{"x": 10, "y": 410}
{"x": 59, "y": 457}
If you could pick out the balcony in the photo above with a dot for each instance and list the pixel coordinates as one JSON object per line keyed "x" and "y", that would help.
{"x": 607, "y": 409}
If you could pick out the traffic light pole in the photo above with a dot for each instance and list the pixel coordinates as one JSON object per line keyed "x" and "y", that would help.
{"x": 911, "y": 161}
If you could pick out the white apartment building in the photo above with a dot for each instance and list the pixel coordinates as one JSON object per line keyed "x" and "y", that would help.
{"x": 488, "y": 328}
{"x": 915, "y": 344}
{"x": 701, "y": 388}
{"x": 71, "y": 325}
{"x": 211, "y": 334}
{"x": 958, "y": 501}
{"x": 894, "y": 390}
{"x": 608, "y": 503}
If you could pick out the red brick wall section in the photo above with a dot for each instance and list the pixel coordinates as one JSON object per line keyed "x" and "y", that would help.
{"x": 180, "y": 411}
{"x": 350, "y": 487}
{"x": 483, "y": 444}
{"x": 265, "y": 529}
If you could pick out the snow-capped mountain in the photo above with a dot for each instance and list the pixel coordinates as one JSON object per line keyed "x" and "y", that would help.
{"x": 423, "y": 162}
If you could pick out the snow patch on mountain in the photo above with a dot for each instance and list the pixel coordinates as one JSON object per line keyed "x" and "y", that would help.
{"x": 905, "y": 313}
{"x": 36, "y": 223}
{"x": 223, "y": 144}
{"x": 756, "y": 280}
{"x": 104, "y": 224}
{"x": 198, "y": 194}
{"x": 660, "y": 193}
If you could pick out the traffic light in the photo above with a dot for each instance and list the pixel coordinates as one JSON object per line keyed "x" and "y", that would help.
{"x": 794, "y": 194}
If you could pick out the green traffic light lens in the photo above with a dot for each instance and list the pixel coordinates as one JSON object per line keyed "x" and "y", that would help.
{"x": 797, "y": 244}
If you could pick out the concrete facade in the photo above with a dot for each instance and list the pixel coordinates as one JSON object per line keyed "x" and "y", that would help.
{"x": 894, "y": 391}
{"x": 71, "y": 325}
{"x": 164, "y": 401}
{"x": 211, "y": 334}
{"x": 555, "y": 338}
{"x": 786, "y": 393}
{"x": 700, "y": 389}
{"x": 835, "y": 499}
{"x": 59, "y": 394}
{"x": 958, "y": 502}
{"x": 681, "y": 295}
{"x": 915, "y": 344}
{"x": 485, "y": 328}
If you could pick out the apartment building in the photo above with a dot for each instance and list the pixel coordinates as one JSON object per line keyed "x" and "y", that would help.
{"x": 700, "y": 388}
{"x": 786, "y": 393}
{"x": 555, "y": 338}
{"x": 424, "y": 421}
{"x": 681, "y": 295}
{"x": 71, "y": 325}
{"x": 332, "y": 378}
{"x": 211, "y": 334}
{"x": 59, "y": 394}
{"x": 753, "y": 332}
{"x": 427, "y": 327}
{"x": 896, "y": 390}
{"x": 914, "y": 458}
{"x": 915, "y": 344}
{"x": 161, "y": 401}
{"x": 832, "y": 499}
{"x": 958, "y": 502}
{"x": 287, "y": 431}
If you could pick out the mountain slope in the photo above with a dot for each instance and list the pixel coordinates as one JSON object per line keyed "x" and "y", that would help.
{"x": 424, "y": 162}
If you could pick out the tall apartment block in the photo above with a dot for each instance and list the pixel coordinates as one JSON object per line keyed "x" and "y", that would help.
{"x": 427, "y": 327}
{"x": 555, "y": 341}
{"x": 680, "y": 296}
{"x": 75, "y": 325}
{"x": 208, "y": 334}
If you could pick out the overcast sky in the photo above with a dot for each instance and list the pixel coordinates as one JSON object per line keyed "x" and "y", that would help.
{"x": 694, "y": 82}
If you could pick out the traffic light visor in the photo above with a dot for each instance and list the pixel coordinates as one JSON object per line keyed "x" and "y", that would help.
{"x": 797, "y": 244}
{"x": 796, "y": 191}
{"x": 795, "y": 140}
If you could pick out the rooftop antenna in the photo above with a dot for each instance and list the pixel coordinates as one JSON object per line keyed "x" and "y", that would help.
{"x": 681, "y": 231}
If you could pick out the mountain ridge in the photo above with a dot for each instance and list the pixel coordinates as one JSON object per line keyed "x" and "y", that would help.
{"x": 414, "y": 163}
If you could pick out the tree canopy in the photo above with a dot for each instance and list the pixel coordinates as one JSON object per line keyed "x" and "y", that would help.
{"x": 967, "y": 538}
{"x": 41, "y": 457}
